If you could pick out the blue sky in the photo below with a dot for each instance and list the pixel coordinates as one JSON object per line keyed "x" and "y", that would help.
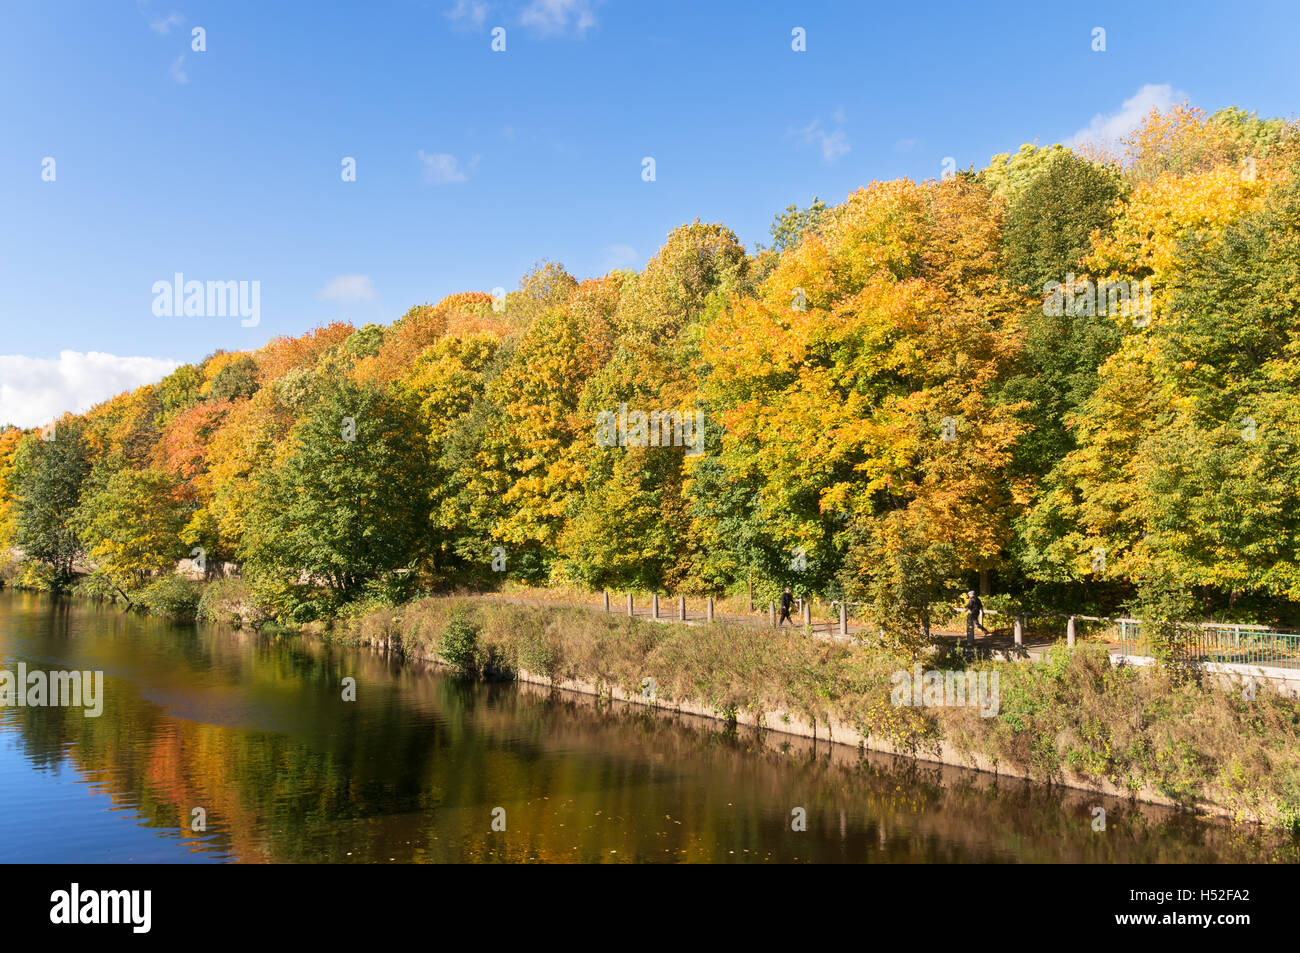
{"x": 471, "y": 164}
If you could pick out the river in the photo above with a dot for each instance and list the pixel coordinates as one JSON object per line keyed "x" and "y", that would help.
{"x": 216, "y": 745}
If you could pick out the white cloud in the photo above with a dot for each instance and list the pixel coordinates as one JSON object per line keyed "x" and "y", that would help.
{"x": 441, "y": 167}
{"x": 833, "y": 143}
{"x": 348, "y": 288}
{"x": 177, "y": 71}
{"x": 620, "y": 256}
{"x": 164, "y": 26}
{"x": 556, "y": 16}
{"x": 1106, "y": 129}
{"x": 34, "y": 391}
{"x": 471, "y": 12}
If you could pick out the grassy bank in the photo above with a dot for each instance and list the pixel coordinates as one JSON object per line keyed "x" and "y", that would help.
{"x": 1075, "y": 719}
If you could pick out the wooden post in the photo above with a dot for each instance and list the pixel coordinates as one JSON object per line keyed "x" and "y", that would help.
{"x": 807, "y": 613}
{"x": 771, "y": 613}
{"x": 654, "y": 606}
{"x": 681, "y": 608}
{"x": 629, "y": 604}
{"x": 1020, "y": 631}
{"x": 709, "y": 610}
{"x": 606, "y": 600}
{"x": 1069, "y": 632}
{"x": 844, "y": 618}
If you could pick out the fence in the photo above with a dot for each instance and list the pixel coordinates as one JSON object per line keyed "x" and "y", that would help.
{"x": 1235, "y": 644}
{"x": 1206, "y": 642}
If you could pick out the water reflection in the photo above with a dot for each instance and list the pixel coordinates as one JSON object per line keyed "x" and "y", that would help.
{"x": 253, "y": 730}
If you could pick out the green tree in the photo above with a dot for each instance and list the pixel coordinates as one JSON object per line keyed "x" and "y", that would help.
{"x": 349, "y": 502}
{"x": 365, "y": 341}
{"x": 902, "y": 573}
{"x": 178, "y": 391}
{"x": 130, "y": 525}
{"x": 1047, "y": 233}
{"x": 47, "y": 480}
{"x": 236, "y": 380}
{"x": 789, "y": 225}
{"x": 1224, "y": 475}
{"x": 630, "y": 523}
{"x": 1008, "y": 173}
{"x": 1049, "y": 221}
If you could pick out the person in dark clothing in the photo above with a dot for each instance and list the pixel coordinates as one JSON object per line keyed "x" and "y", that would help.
{"x": 974, "y": 609}
{"x": 786, "y": 600}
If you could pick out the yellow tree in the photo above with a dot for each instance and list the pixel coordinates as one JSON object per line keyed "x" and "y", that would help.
{"x": 9, "y": 440}
{"x": 630, "y": 524}
{"x": 857, "y": 384}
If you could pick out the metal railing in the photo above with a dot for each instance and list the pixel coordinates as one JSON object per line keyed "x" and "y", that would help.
{"x": 1205, "y": 642}
{"x": 1224, "y": 643}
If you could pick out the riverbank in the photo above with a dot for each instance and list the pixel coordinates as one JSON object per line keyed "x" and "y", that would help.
{"x": 1074, "y": 720}
{"x": 252, "y": 727}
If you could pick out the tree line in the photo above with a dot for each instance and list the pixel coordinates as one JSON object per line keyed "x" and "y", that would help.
{"x": 895, "y": 404}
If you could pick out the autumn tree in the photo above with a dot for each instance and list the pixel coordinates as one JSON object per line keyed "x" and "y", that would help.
{"x": 860, "y": 383}
{"x": 130, "y": 524}
{"x": 1089, "y": 518}
{"x": 631, "y": 523}
{"x": 10, "y": 438}
{"x": 448, "y": 383}
{"x": 1223, "y": 475}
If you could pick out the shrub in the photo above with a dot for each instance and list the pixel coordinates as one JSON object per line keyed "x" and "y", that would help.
{"x": 172, "y": 597}
{"x": 96, "y": 586}
{"x": 229, "y": 602}
{"x": 291, "y": 603}
{"x": 34, "y": 575}
{"x": 459, "y": 644}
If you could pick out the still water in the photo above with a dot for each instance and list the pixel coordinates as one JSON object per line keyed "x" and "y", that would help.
{"x": 252, "y": 730}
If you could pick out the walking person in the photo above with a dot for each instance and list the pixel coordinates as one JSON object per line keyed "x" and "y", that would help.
{"x": 786, "y": 600}
{"x": 974, "y": 612}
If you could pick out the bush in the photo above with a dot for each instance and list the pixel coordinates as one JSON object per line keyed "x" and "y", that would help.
{"x": 229, "y": 602}
{"x": 171, "y": 597}
{"x": 459, "y": 644}
{"x": 34, "y": 575}
{"x": 96, "y": 586}
{"x": 291, "y": 603}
